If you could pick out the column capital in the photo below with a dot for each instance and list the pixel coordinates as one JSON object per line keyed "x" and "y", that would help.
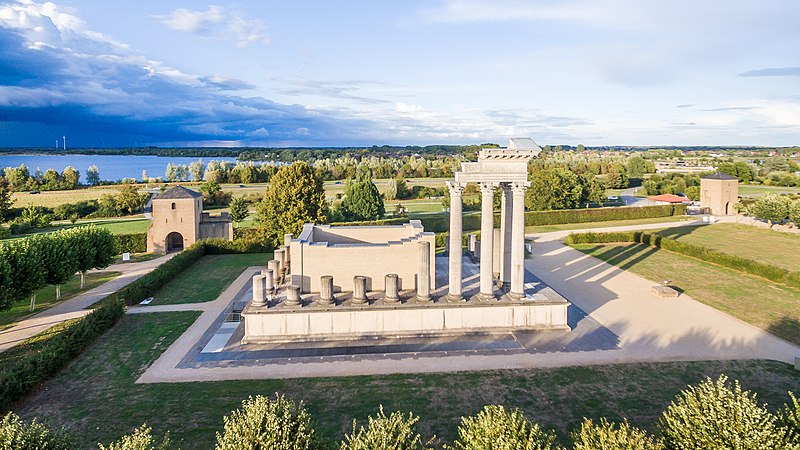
{"x": 455, "y": 187}
{"x": 488, "y": 187}
{"x": 519, "y": 187}
{"x": 505, "y": 186}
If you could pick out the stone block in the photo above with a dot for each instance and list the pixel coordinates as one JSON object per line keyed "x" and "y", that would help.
{"x": 665, "y": 292}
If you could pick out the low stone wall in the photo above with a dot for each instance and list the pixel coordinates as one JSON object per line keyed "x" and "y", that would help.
{"x": 336, "y": 323}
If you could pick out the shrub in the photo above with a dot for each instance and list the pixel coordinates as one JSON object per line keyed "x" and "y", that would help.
{"x": 264, "y": 424}
{"x": 141, "y": 439}
{"x": 395, "y": 432}
{"x": 222, "y": 246}
{"x": 18, "y": 435}
{"x": 771, "y": 207}
{"x": 608, "y": 436}
{"x": 714, "y": 415}
{"x": 494, "y": 428}
{"x": 563, "y": 216}
{"x": 133, "y": 242}
{"x": 789, "y": 418}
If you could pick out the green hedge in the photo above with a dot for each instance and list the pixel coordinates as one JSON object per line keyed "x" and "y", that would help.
{"x": 27, "y": 365}
{"x": 563, "y": 216}
{"x": 768, "y": 271}
{"x": 133, "y": 243}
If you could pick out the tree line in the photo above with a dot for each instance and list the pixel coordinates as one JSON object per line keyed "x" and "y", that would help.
{"x": 27, "y": 265}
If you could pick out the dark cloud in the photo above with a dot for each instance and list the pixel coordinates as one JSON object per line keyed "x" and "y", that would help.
{"x": 116, "y": 98}
{"x": 772, "y": 72}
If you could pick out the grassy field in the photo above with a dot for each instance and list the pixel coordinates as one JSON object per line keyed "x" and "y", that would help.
{"x": 766, "y": 246}
{"x": 97, "y": 400}
{"x": 756, "y": 190}
{"x": 46, "y": 297}
{"x": 55, "y": 198}
{"x": 765, "y": 304}
{"x": 207, "y": 278}
{"x": 610, "y": 223}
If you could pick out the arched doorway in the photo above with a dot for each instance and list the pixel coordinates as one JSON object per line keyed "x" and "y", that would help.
{"x": 174, "y": 242}
{"x": 728, "y": 208}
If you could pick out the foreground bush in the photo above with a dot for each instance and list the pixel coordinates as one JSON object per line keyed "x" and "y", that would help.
{"x": 264, "y": 424}
{"x": 494, "y": 428}
{"x": 713, "y": 415}
{"x": 789, "y": 418}
{"x": 141, "y": 439}
{"x": 18, "y": 435}
{"x": 395, "y": 432}
{"x": 608, "y": 436}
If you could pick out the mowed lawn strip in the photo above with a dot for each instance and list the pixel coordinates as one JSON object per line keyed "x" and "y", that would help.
{"x": 766, "y": 246}
{"x": 207, "y": 278}
{"x": 767, "y": 305}
{"x": 46, "y": 297}
{"x": 96, "y": 398}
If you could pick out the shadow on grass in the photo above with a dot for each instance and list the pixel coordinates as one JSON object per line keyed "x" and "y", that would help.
{"x": 787, "y": 328}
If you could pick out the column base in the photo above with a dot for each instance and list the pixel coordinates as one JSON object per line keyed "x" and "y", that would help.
{"x": 484, "y": 297}
{"x": 455, "y": 298}
{"x": 391, "y": 299}
{"x": 516, "y": 296}
{"x": 425, "y": 299}
{"x": 505, "y": 286}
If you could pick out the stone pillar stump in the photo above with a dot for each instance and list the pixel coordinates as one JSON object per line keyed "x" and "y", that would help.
{"x": 259, "y": 293}
{"x": 359, "y": 290}
{"x": 392, "y": 288}
{"x": 325, "y": 290}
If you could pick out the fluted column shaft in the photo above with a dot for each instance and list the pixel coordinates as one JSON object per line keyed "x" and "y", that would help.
{"x": 424, "y": 271}
{"x": 259, "y": 294}
{"x": 487, "y": 234}
{"x": 325, "y": 290}
{"x": 518, "y": 240}
{"x": 456, "y": 230}
{"x": 392, "y": 290}
{"x": 506, "y": 214}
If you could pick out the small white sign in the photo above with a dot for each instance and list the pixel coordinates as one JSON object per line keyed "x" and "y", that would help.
{"x": 126, "y": 256}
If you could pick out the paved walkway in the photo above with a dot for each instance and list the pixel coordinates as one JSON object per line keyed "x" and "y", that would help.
{"x": 76, "y": 306}
{"x": 649, "y": 328}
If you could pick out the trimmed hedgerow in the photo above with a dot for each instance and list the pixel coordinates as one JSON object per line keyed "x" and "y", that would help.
{"x": 768, "y": 271}
{"x": 133, "y": 242}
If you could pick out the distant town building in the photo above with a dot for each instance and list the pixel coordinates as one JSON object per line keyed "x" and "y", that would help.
{"x": 719, "y": 193}
{"x": 179, "y": 221}
{"x": 668, "y": 199}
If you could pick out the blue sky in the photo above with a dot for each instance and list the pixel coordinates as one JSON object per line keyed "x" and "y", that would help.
{"x": 277, "y": 73}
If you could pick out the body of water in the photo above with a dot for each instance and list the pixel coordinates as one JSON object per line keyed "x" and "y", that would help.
{"x": 112, "y": 167}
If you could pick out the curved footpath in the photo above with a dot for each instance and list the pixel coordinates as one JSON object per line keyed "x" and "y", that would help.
{"x": 77, "y": 306}
{"x": 649, "y": 328}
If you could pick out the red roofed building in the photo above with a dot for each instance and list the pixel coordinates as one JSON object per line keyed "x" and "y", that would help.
{"x": 664, "y": 199}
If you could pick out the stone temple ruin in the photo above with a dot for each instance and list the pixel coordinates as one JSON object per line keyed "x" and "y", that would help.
{"x": 339, "y": 283}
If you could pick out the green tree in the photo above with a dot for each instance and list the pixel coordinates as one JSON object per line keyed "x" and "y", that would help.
{"x": 362, "y": 201}
{"x": 58, "y": 256}
{"x": 71, "y": 177}
{"x": 264, "y": 424}
{"x": 15, "y": 434}
{"x": 238, "y": 209}
{"x": 794, "y": 212}
{"x": 789, "y": 419}
{"x": 776, "y": 164}
{"x": 609, "y": 436}
{"x": 557, "y": 188}
{"x": 636, "y": 166}
{"x": 717, "y": 416}
{"x": 93, "y": 175}
{"x": 196, "y": 170}
{"x": 295, "y": 196}
{"x": 172, "y": 172}
{"x": 141, "y": 439}
{"x": 693, "y": 193}
{"x": 395, "y": 432}
{"x": 5, "y": 199}
{"x": 592, "y": 189}
{"x": 494, "y": 428}
{"x": 391, "y": 190}
{"x": 771, "y": 207}
{"x": 130, "y": 201}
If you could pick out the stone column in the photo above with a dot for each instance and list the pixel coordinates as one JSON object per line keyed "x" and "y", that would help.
{"x": 325, "y": 290}
{"x": 359, "y": 290}
{"x": 392, "y": 289}
{"x": 472, "y": 243}
{"x": 454, "y": 241}
{"x": 287, "y": 239}
{"x": 278, "y": 255}
{"x": 259, "y": 295}
{"x": 518, "y": 241}
{"x": 275, "y": 266}
{"x": 424, "y": 271}
{"x": 292, "y": 296}
{"x": 505, "y": 236}
{"x": 487, "y": 232}
{"x": 285, "y": 262}
{"x": 269, "y": 281}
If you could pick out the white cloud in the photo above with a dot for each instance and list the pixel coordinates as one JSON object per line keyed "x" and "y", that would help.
{"x": 217, "y": 22}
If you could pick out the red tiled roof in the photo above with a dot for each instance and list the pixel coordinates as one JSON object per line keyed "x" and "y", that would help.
{"x": 669, "y": 198}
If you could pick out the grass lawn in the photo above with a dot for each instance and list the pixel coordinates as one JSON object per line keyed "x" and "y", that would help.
{"x": 765, "y": 304}
{"x": 207, "y": 278}
{"x": 115, "y": 226}
{"x": 766, "y": 246}
{"x": 97, "y": 400}
{"x": 757, "y": 190}
{"x": 610, "y": 223}
{"x": 46, "y": 297}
